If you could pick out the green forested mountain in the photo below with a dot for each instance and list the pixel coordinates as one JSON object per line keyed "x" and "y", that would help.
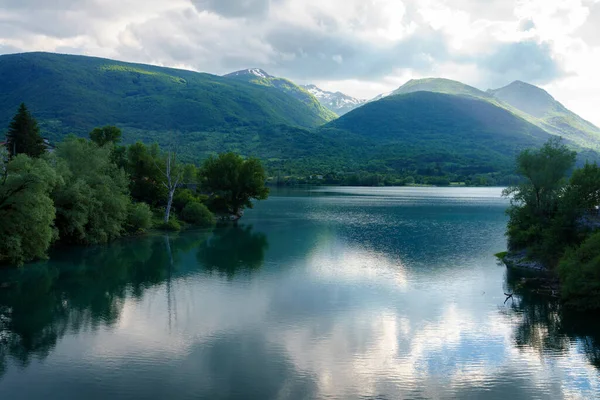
{"x": 427, "y": 127}
{"x": 430, "y": 127}
{"x": 439, "y": 85}
{"x": 548, "y": 113}
{"x": 526, "y": 101}
{"x": 74, "y": 94}
{"x": 261, "y": 78}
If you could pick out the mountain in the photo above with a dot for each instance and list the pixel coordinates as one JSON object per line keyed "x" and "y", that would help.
{"x": 526, "y": 101}
{"x": 460, "y": 133}
{"x": 74, "y": 94}
{"x": 259, "y": 77}
{"x": 548, "y": 113}
{"x": 439, "y": 85}
{"x": 337, "y": 102}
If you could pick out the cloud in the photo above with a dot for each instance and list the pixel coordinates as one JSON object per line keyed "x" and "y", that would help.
{"x": 528, "y": 61}
{"x": 234, "y": 8}
{"x": 347, "y": 45}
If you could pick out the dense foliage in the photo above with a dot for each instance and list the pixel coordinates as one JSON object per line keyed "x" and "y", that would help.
{"x": 26, "y": 209}
{"x": 93, "y": 191}
{"x": 233, "y": 182}
{"x": 554, "y": 218}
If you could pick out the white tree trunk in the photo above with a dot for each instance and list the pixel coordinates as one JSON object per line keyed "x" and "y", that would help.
{"x": 171, "y": 182}
{"x": 169, "y": 204}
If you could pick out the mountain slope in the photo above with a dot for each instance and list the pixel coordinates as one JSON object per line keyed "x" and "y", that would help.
{"x": 439, "y": 85}
{"x": 549, "y": 113}
{"x": 337, "y": 102}
{"x": 259, "y": 77}
{"x": 526, "y": 101}
{"x": 74, "y": 94}
{"x": 424, "y": 127}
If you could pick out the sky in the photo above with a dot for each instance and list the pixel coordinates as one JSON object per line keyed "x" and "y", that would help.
{"x": 360, "y": 47}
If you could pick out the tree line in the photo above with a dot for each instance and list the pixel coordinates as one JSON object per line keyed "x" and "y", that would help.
{"x": 93, "y": 191}
{"x": 554, "y": 219}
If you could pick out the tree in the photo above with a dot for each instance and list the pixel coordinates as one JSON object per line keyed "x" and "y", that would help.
{"x": 107, "y": 134}
{"x": 545, "y": 171}
{"x": 172, "y": 176}
{"x": 583, "y": 190}
{"x": 92, "y": 200}
{"x": 23, "y": 135}
{"x": 534, "y": 219}
{"x": 26, "y": 210}
{"x": 234, "y": 183}
{"x": 579, "y": 272}
{"x": 140, "y": 163}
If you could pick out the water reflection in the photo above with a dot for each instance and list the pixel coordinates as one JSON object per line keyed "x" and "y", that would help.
{"x": 83, "y": 289}
{"x": 324, "y": 297}
{"x": 233, "y": 249}
{"x": 544, "y": 325}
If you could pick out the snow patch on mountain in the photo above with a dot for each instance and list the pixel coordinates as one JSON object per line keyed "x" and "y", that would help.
{"x": 337, "y": 102}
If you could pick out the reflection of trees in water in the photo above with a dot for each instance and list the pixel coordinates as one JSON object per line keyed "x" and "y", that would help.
{"x": 233, "y": 249}
{"x": 542, "y": 323}
{"x": 81, "y": 288}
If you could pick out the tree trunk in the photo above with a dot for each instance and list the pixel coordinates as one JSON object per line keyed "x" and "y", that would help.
{"x": 169, "y": 204}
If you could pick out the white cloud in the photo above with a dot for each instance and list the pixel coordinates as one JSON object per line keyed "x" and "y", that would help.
{"x": 356, "y": 46}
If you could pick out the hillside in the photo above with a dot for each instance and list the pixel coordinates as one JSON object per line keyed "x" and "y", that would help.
{"x": 549, "y": 113}
{"x": 74, "y": 94}
{"x": 426, "y": 127}
{"x": 337, "y": 102}
{"x": 259, "y": 77}
{"x": 526, "y": 101}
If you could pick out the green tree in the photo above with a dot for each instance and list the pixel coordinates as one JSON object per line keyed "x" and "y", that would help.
{"x": 535, "y": 203}
{"x": 23, "y": 135}
{"x": 579, "y": 272}
{"x": 93, "y": 199}
{"x": 234, "y": 182}
{"x": 583, "y": 190}
{"x": 104, "y": 135}
{"x": 139, "y": 161}
{"x": 26, "y": 210}
{"x": 196, "y": 213}
{"x": 139, "y": 217}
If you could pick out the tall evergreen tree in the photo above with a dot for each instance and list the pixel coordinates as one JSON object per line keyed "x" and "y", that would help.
{"x": 23, "y": 135}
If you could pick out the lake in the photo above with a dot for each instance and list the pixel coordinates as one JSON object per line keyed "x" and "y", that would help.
{"x": 331, "y": 293}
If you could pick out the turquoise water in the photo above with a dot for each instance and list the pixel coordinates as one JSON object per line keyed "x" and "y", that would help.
{"x": 335, "y": 293}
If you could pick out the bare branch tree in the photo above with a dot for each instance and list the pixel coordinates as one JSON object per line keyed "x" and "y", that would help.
{"x": 172, "y": 178}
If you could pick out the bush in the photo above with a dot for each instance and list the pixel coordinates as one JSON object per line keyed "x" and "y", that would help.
{"x": 182, "y": 198}
{"x": 173, "y": 225}
{"x": 139, "y": 217}
{"x": 579, "y": 272}
{"x": 197, "y": 214}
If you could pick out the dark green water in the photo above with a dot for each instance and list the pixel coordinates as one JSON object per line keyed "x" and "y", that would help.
{"x": 346, "y": 293}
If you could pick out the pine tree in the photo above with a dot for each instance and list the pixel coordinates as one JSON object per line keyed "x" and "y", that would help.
{"x": 23, "y": 135}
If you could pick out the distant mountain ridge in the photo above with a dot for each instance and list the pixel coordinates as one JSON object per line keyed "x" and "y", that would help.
{"x": 549, "y": 114}
{"x": 337, "y": 102}
{"x": 74, "y": 94}
{"x": 527, "y": 101}
{"x": 260, "y": 77}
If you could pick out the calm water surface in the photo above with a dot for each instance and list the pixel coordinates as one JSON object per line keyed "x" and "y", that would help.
{"x": 342, "y": 293}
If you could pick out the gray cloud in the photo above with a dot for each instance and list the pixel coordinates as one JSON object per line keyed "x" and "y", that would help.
{"x": 528, "y": 61}
{"x": 322, "y": 43}
{"x": 589, "y": 31}
{"x": 234, "y": 8}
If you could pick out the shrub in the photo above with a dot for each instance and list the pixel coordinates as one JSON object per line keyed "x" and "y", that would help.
{"x": 139, "y": 217}
{"x": 182, "y": 198}
{"x": 579, "y": 272}
{"x": 173, "y": 225}
{"x": 197, "y": 214}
